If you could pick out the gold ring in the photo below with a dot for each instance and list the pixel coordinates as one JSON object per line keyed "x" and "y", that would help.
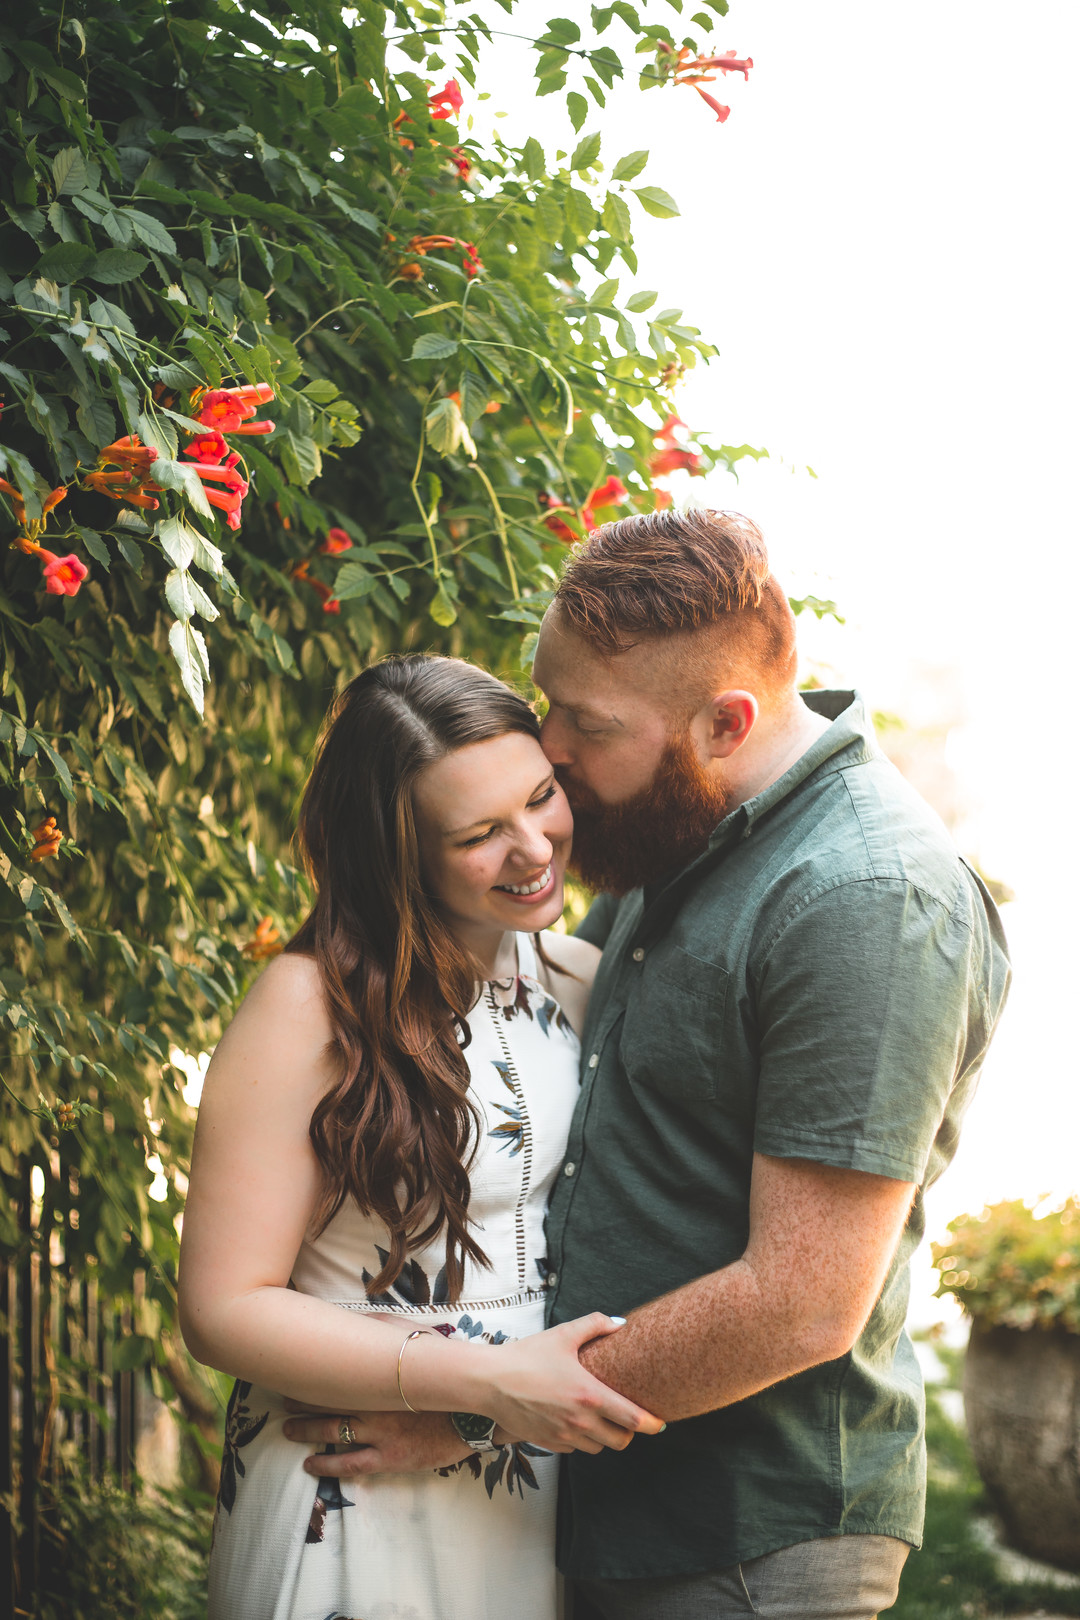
{"x": 345, "y": 1434}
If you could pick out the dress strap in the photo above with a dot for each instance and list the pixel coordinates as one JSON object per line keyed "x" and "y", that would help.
{"x": 526, "y": 956}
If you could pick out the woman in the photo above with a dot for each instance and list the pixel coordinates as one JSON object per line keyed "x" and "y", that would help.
{"x": 379, "y": 1130}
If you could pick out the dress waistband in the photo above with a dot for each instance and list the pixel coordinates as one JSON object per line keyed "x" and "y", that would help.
{"x": 527, "y": 1296}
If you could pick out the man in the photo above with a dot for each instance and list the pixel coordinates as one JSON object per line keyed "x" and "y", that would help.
{"x": 799, "y": 982}
{"x": 798, "y": 986}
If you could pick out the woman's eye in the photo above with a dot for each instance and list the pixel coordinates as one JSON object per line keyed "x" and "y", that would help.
{"x": 481, "y": 838}
{"x": 545, "y": 798}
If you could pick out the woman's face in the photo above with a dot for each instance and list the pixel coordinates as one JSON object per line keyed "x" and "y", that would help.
{"x": 494, "y": 829}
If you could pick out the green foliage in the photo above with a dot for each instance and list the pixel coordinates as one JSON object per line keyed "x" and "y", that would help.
{"x": 1008, "y": 1267}
{"x": 106, "y": 1552}
{"x": 205, "y": 197}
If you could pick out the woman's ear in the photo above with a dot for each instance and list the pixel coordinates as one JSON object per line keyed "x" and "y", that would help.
{"x": 732, "y": 718}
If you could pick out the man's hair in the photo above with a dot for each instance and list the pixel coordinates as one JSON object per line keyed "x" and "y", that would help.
{"x": 662, "y": 574}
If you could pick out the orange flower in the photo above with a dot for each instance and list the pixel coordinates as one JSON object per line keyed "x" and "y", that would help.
{"x": 610, "y": 493}
{"x": 266, "y": 942}
{"x": 336, "y": 540}
{"x": 47, "y": 839}
{"x": 121, "y": 485}
{"x": 462, "y": 161}
{"x": 447, "y": 101}
{"x": 131, "y": 454}
{"x": 673, "y": 459}
{"x": 16, "y": 499}
{"x": 421, "y": 244}
{"x": 410, "y": 272}
{"x": 667, "y": 433}
{"x": 698, "y": 70}
{"x": 227, "y": 409}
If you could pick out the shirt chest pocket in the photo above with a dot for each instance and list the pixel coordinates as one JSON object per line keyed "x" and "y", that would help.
{"x": 673, "y": 1027}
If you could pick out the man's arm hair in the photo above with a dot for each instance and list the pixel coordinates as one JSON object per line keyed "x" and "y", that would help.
{"x": 820, "y": 1246}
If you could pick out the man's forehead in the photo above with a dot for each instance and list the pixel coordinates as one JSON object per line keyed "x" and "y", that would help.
{"x": 574, "y": 675}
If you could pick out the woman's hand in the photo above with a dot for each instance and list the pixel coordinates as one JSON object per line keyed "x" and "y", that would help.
{"x": 379, "y": 1443}
{"x": 541, "y": 1393}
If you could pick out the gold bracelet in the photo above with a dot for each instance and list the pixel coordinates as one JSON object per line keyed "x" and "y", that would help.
{"x": 415, "y": 1334}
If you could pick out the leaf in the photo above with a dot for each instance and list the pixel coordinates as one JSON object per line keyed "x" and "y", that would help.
{"x": 182, "y": 476}
{"x": 177, "y": 541}
{"x": 63, "y": 263}
{"x": 322, "y": 390}
{"x": 580, "y": 213}
{"x": 586, "y": 152}
{"x": 532, "y": 155}
{"x": 67, "y": 787}
{"x": 206, "y": 555}
{"x": 640, "y": 301}
{"x": 69, "y": 171}
{"x": 178, "y": 594}
{"x": 656, "y": 202}
{"x": 149, "y": 230}
{"x": 616, "y": 218}
{"x": 96, "y": 546}
{"x": 561, "y": 31}
{"x": 117, "y": 265}
{"x": 433, "y": 346}
{"x": 353, "y": 581}
{"x": 578, "y": 108}
{"x": 301, "y": 458}
{"x": 442, "y": 609}
{"x": 96, "y": 421}
{"x": 630, "y": 166}
{"x": 446, "y": 429}
{"x": 189, "y": 649}
{"x": 474, "y": 397}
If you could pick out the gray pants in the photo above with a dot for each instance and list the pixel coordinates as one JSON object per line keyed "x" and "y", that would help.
{"x": 837, "y": 1578}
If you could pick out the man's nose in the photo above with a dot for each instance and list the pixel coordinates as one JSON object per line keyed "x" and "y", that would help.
{"x": 553, "y": 741}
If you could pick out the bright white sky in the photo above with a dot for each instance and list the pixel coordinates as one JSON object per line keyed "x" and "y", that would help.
{"x": 880, "y": 242}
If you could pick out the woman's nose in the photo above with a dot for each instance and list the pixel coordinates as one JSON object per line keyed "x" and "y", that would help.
{"x": 533, "y": 849}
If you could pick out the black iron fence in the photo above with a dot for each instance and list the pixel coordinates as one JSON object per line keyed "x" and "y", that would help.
{"x": 64, "y": 1396}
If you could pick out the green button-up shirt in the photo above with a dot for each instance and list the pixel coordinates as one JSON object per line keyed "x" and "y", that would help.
{"x": 821, "y": 984}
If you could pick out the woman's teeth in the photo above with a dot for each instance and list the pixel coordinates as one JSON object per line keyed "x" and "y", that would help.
{"x": 527, "y": 888}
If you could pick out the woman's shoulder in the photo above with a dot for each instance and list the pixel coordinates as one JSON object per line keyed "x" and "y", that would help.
{"x": 573, "y": 955}
{"x": 286, "y": 1003}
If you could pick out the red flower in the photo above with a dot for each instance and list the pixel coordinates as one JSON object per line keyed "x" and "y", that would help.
{"x": 472, "y": 262}
{"x": 722, "y": 113}
{"x": 336, "y": 540}
{"x": 63, "y": 575}
{"x": 563, "y": 530}
{"x": 728, "y": 63}
{"x": 447, "y": 101}
{"x": 673, "y": 459}
{"x": 462, "y": 161}
{"x": 209, "y": 446}
{"x": 227, "y": 408}
{"x": 667, "y": 433}
{"x": 121, "y": 485}
{"x": 610, "y": 493}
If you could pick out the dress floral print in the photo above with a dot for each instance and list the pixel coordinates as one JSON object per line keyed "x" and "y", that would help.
{"x": 474, "y": 1541}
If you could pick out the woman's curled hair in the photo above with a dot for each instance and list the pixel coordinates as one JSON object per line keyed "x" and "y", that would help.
{"x": 396, "y": 1131}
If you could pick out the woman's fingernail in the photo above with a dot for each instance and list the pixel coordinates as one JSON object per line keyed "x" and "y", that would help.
{"x": 619, "y": 1321}
{"x": 661, "y": 1429}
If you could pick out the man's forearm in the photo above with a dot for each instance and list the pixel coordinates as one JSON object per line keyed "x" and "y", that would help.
{"x": 712, "y": 1342}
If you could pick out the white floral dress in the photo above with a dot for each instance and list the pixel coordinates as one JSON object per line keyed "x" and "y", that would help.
{"x": 475, "y": 1542}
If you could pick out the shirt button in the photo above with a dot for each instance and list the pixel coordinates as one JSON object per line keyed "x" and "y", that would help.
{"x": 639, "y": 955}
{"x": 594, "y": 1060}
{"x": 552, "y": 1278}
{"x": 568, "y": 1169}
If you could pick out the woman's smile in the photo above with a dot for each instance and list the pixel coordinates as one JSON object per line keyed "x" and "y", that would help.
{"x": 533, "y": 890}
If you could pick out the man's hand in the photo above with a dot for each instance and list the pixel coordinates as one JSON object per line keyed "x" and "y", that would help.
{"x": 383, "y": 1442}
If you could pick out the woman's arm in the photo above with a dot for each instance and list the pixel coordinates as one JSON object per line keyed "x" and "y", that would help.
{"x": 572, "y": 987}
{"x": 254, "y": 1187}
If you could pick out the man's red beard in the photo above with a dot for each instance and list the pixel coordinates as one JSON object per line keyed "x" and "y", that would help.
{"x": 619, "y": 847}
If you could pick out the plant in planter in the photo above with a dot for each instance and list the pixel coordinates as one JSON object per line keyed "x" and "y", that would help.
{"x": 1016, "y": 1274}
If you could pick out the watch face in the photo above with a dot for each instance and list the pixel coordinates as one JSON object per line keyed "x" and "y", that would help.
{"x": 472, "y": 1426}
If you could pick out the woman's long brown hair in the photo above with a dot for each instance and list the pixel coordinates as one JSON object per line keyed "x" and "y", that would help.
{"x": 397, "y": 1131}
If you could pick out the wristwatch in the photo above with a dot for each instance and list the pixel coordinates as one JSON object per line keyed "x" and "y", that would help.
{"x": 475, "y": 1430}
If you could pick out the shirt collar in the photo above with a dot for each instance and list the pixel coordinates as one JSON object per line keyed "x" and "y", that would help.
{"x": 850, "y": 734}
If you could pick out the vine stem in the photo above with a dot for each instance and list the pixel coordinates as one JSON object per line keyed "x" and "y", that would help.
{"x": 414, "y": 482}
{"x": 500, "y": 523}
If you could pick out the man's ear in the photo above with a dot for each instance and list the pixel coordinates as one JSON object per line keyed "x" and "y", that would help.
{"x": 731, "y": 718}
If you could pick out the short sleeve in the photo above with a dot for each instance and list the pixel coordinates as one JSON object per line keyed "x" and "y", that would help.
{"x": 598, "y": 920}
{"x": 870, "y": 1007}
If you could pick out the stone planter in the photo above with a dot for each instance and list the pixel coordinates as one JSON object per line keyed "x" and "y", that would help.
{"x": 1022, "y": 1402}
